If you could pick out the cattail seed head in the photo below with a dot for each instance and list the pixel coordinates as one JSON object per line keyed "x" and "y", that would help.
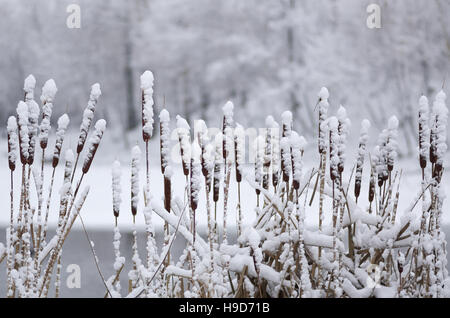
{"x": 362, "y": 149}
{"x": 88, "y": 116}
{"x": 63, "y": 123}
{"x": 135, "y": 161}
{"x": 33, "y": 118}
{"x": 183, "y": 131}
{"x": 298, "y": 144}
{"x": 218, "y": 160}
{"x": 48, "y": 95}
{"x": 227, "y": 132}
{"x": 147, "y": 80}
{"x": 196, "y": 173}
{"x": 22, "y": 115}
{"x": 12, "y": 142}
{"x": 164, "y": 124}
{"x": 424, "y": 131}
{"x": 323, "y": 111}
{"x": 94, "y": 142}
{"x": 239, "y": 149}
{"x": 391, "y": 145}
{"x": 167, "y": 188}
{"x": 334, "y": 147}
{"x": 116, "y": 187}
{"x": 259, "y": 160}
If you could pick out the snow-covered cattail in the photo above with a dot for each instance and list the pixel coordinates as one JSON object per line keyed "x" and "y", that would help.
{"x": 196, "y": 173}
{"x": 48, "y": 95}
{"x": 275, "y": 135}
{"x": 323, "y": 111}
{"x": 227, "y": 131}
{"x": 344, "y": 123}
{"x": 382, "y": 169}
{"x": 12, "y": 142}
{"x": 28, "y": 87}
{"x": 116, "y": 188}
{"x": 183, "y": 131}
{"x": 208, "y": 154}
{"x": 167, "y": 187}
{"x": 334, "y": 148}
{"x": 259, "y": 161}
{"x": 88, "y": 116}
{"x": 135, "y": 161}
{"x": 164, "y": 133}
{"x": 391, "y": 145}
{"x": 298, "y": 144}
{"x": 22, "y": 115}
{"x": 362, "y": 149}
{"x": 441, "y": 114}
{"x": 218, "y": 160}
{"x": 147, "y": 105}
{"x": 239, "y": 149}
{"x": 94, "y": 142}
{"x": 69, "y": 158}
{"x": 63, "y": 123}
{"x": 424, "y": 131}
{"x": 33, "y": 118}
{"x": 201, "y": 134}
{"x": 286, "y": 120}
{"x": 267, "y": 152}
{"x": 286, "y": 168}
{"x": 373, "y": 172}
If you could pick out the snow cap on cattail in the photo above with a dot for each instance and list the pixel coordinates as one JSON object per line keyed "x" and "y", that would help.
{"x": 147, "y": 105}
{"x": 94, "y": 142}
{"x": 33, "y": 118}
{"x": 116, "y": 187}
{"x": 135, "y": 160}
{"x": 323, "y": 111}
{"x": 298, "y": 144}
{"x": 183, "y": 131}
{"x": 29, "y": 86}
{"x": 12, "y": 142}
{"x": 48, "y": 95}
{"x": 286, "y": 121}
{"x": 362, "y": 149}
{"x": 63, "y": 123}
{"x": 22, "y": 115}
{"x": 164, "y": 132}
{"x": 88, "y": 116}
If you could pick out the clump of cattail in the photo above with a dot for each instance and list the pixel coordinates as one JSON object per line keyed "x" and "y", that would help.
{"x": 63, "y": 123}
{"x": 183, "y": 131}
{"x": 286, "y": 119}
{"x": 12, "y": 142}
{"x": 218, "y": 159}
{"x": 48, "y": 95}
{"x": 33, "y": 118}
{"x": 323, "y": 111}
{"x": 147, "y": 105}
{"x": 136, "y": 154}
{"x": 239, "y": 149}
{"x": 116, "y": 188}
{"x": 94, "y": 142}
{"x": 88, "y": 116}
{"x": 334, "y": 148}
{"x": 440, "y": 128}
{"x": 391, "y": 145}
{"x": 22, "y": 115}
{"x": 362, "y": 149}
{"x": 343, "y": 126}
{"x": 424, "y": 132}
{"x": 298, "y": 144}
{"x": 227, "y": 131}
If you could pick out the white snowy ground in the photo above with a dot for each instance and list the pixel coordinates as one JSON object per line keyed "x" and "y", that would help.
{"x": 97, "y": 211}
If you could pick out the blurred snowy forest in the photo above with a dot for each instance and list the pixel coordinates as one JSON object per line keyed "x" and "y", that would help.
{"x": 267, "y": 56}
